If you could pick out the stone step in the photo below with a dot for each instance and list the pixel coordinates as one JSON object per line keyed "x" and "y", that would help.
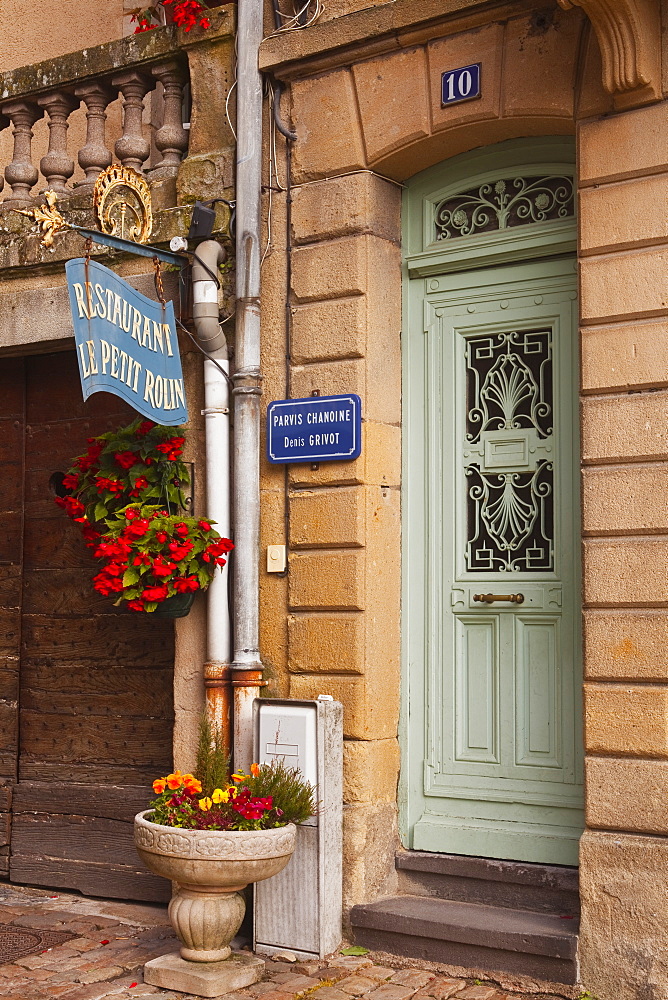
{"x": 511, "y": 884}
{"x": 470, "y": 935}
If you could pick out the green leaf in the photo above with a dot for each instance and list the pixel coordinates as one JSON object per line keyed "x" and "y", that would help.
{"x": 150, "y": 605}
{"x": 355, "y": 949}
{"x": 130, "y": 576}
{"x": 100, "y": 512}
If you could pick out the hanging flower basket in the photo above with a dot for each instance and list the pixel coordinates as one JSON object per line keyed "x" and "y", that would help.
{"x": 126, "y": 494}
{"x": 177, "y": 606}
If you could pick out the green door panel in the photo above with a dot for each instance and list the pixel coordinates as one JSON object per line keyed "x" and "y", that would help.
{"x": 491, "y": 712}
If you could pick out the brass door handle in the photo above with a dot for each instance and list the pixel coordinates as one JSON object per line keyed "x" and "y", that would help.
{"x": 490, "y": 598}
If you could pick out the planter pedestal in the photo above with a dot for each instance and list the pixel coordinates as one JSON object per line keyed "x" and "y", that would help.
{"x": 204, "y": 979}
{"x": 210, "y": 868}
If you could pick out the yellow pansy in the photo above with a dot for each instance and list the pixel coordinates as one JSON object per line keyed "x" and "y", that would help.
{"x": 218, "y": 796}
{"x": 205, "y": 803}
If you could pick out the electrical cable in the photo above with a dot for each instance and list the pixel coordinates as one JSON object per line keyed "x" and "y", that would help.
{"x": 206, "y": 353}
{"x": 229, "y": 93}
{"x": 299, "y": 19}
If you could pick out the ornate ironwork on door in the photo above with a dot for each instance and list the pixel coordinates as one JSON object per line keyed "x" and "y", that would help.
{"x": 513, "y": 201}
{"x": 508, "y": 452}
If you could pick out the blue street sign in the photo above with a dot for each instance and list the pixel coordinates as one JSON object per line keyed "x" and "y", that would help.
{"x": 315, "y": 429}
{"x": 461, "y": 84}
{"x": 126, "y": 343}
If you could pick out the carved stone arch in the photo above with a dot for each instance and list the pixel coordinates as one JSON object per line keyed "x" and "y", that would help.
{"x": 629, "y": 37}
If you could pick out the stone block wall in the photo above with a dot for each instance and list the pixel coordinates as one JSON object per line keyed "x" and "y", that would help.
{"x": 624, "y": 307}
{"x": 335, "y": 622}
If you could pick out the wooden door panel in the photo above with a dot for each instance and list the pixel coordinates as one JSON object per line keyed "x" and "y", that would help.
{"x": 96, "y": 702}
{"x": 477, "y": 691}
{"x": 136, "y": 642}
{"x": 539, "y": 695}
{"x": 80, "y": 836}
{"x": 12, "y": 420}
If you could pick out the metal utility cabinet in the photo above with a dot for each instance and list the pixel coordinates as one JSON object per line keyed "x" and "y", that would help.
{"x": 301, "y": 909}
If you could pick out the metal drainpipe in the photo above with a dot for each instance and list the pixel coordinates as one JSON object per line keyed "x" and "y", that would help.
{"x": 217, "y": 671}
{"x": 247, "y": 379}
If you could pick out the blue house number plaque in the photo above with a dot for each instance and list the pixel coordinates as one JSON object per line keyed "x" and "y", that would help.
{"x": 315, "y": 429}
{"x": 461, "y": 84}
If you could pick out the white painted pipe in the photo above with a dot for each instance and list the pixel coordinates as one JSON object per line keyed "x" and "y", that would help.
{"x": 217, "y": 431}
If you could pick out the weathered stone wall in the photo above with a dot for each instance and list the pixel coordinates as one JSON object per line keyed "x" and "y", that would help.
{"x": 624, "y": 306}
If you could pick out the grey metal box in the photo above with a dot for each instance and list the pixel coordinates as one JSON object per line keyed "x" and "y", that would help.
{"x": 301, "y": 908}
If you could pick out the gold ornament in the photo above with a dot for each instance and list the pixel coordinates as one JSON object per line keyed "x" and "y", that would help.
{"x": 122, "y": 204}
{"x": 47, "y": 217}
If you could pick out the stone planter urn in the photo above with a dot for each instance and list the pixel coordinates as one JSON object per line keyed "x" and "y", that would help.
{"x": 210, "y": 867}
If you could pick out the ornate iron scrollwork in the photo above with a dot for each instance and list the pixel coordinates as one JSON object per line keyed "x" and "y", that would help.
{"x": 515, "y": 201}
{"x": 509, "y": 452}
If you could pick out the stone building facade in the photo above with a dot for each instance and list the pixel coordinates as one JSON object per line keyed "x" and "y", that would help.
{"x": 499, "y": 362}
{"x": 374, "y": 142}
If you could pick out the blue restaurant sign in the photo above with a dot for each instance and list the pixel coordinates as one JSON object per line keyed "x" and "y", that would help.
{"x": 315, "y": 429}
{"x": 126, "y": 343}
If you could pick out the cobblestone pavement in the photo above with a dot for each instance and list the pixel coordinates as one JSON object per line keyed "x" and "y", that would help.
{"x": 113, "y": 940}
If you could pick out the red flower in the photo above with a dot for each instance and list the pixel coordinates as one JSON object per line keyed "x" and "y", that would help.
{"x": 136, "y": 605}
{"x": 140, "y": 484}
{"x": 185, "y": 584}
{"x": 162, "y": 568}
{"x": 216, "y": 549}
{"x": 144, "y": 427}
{"x": 116, "y": 548}
{"x": 131, "y": 514}
{"x": 113, "y": 485}
{"x": 136, "y": 529}
{"x": 71, "y": 481}
{"x": 91, "y": 536}
{"x": 161, "y": 536}
{"x": 142, "y": 559}
{"x": 107, "y": 584}
{"x": 72, "y": 507}
{"x": 180, "y": 550}
{"x": 204, "y": 525}
{"x": 172, "y": 447}
{"x": 155, "y": 593}
{"x": 126, "y": 459}
{"x": 181, "y": 529}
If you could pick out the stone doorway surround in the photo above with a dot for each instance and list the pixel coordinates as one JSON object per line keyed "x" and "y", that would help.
{"x": 364, "y": 101}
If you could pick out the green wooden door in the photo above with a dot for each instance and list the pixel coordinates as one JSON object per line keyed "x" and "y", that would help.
{"x": 491, "y": 605}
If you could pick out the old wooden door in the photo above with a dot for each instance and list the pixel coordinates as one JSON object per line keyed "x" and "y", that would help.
{"x": 492, "y": 517}
{"x": 86, "y": 697}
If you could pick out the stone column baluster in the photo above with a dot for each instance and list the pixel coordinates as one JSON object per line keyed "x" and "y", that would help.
{"x": 171, "y": 138}
{"x": 132, "y": 148}
{"x": 94, "y": 157}
{"x": 21, "y": 174}
{"x": 56, "y": 166}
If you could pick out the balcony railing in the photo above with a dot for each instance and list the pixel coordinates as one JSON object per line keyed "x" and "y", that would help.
{"x": 128, "y": 101}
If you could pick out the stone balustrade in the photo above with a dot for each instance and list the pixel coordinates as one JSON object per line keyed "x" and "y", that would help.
{"x": 130, "y": 101}
{"x": 152, "y": 136}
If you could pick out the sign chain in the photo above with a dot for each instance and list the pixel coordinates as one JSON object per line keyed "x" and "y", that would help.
{"x": 158, "y": 281}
